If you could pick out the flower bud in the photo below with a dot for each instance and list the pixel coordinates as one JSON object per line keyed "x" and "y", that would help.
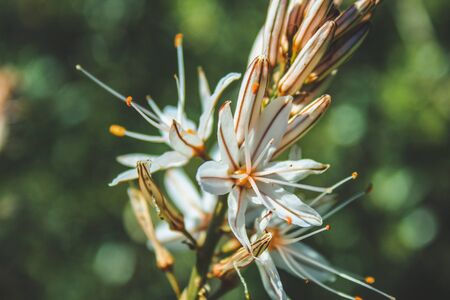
{"x": 164, "y": 260}
{"x": 302, "y": 122}
{"x": 353, "y": 15}
{"x": 307, "y": 60}
{"x": 314, "y": 16}
{"x": 242, "y": 258}
{"x": 272, "y": 29}
{"x": 339, "y": 52}
{"x": 154, "y": 195}
{"x": 250, "y": 96}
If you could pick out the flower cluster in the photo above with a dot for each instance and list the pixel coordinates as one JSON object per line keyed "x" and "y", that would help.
{"x": 293, "y": 60}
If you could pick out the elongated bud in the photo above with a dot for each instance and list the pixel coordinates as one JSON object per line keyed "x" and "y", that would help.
{"x": 272, "y": 29}
{"x": 164, "y": 260}
{"x": 315, "y": 15}
{"x": 295, "y": 16}
{"x": 339, "y": 52}
{"x": 353, "y": 15}
{"x": 242, "y": 258}
{"x": 250, "y": 96}
{"x": 302, "y": 122}
{"x": 154, "y": 195}
{"x": 307, "y": 60}
{"x": 311, "y": 92}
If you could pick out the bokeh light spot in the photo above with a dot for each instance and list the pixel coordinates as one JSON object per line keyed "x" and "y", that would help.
{"x": 114, "y": 263}
{"x": 418, "y": 229}
{"x": 346, "y": 125}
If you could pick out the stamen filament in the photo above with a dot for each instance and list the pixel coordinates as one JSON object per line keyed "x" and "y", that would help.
{"x": 301, "y": 272}
{"x": 336, "y": 272}
{"x": 300, "y": 238}
{"x": 148, "y": 119}
{"x": 144, "y": 137}
{"x": 181, "y": 81}
{"x": 343, "y": 204}
{"x": 332, "y": 188}
{"x": 262, "y": 154}
{"x": 296, "y": 185}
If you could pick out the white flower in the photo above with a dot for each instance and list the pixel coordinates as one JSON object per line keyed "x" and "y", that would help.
{"x": 185, "y": 139}
{"x": 249, "y": 175}
{"x": 196, "y": 208}
{"x": 287, "y": 252}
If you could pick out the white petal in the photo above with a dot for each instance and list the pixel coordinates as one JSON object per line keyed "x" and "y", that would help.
{"x": 271, "y": 125}
{"x": 125, "y": 176}
{"x": 228, "y": 145}
{"x": 170, "y": 159}
{"x": 171, "y": 113}
{"x": 292, "y": 170}
{"x": 237, "y": 206}
{"x": 130, "y": 160}
{"x": 206, "y": 119}
{"x": 288, "y": 206}
{"x": 270, "y": 277}
{"x": 257, "y": 48}
{"x": 203, "y": 88}
{"x": 209, "y": 202}
{"x": 183, "y": 193}
{"x": 316, "y": 272}
{"x": 213, "y": 178}
{"x": 182, "y": 141}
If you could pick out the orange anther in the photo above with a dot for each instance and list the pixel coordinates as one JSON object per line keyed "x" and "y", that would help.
{"x": 358, "y": 298}
{"x": 328, "y": 227}
{"x": 117, "y": 130}
{"x": 354, "y": 175}
{"x": 369, "y": 280}
{"x": 255, "y": 87}
{"x": 128, "y": 101}
{"x": 178, "y": 40}
{"x": 289, "y": 220}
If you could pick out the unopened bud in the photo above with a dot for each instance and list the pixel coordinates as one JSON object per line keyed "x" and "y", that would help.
{"x": 314, "y": 16}
{"x": 307, "y": 60}
{"x": 273, "y": 27}
{"x": 242, "y": 258}
{"x": 302, "y": 122}
{"x": 340, "y": 51}
{"x": 353, "y": 15}
{"x": 250, "y": 96}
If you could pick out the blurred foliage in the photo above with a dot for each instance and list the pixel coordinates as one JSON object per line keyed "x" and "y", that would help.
{"x": 65, "y": 235}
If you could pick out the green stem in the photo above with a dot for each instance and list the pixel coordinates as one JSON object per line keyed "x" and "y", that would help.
{"x": 173, "y": 283}
{"x": 206, "y": 251}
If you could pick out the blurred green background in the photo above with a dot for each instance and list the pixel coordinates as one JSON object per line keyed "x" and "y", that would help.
{"x": 64, "y": 234}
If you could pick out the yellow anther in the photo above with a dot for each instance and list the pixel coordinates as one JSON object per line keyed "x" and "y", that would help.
{"x": 117, "y": 130}
{"x": 128, "y": 101}
{"x": 358, "y": 298}
{"x": 354, "y": 175}
{"x": 369, "y": 280}
{"x": 178, "y": 40}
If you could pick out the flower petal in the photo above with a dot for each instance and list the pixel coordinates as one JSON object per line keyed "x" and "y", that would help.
{"x": 206, "y": 119}
{"x": 213, "y": 178}
{"x": 237, "y": 206}
{"x": 318, "y": 273}
{"x": 292, "y": 170}
{"x": 228, "y": 145}
{"x": 270, "y": 277}
{"x": 169, "y": 159}
{"x": 130, "y": 160}
{"x": 271, "y": 125}
{"x": 257, "y": 48}
{"x": 125, "y": 176}
{"x": 184, "y": 142}
{"x": 183, "y": 193}
{"x": 203, "y": 88}
{"x": 288, "y": 206}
